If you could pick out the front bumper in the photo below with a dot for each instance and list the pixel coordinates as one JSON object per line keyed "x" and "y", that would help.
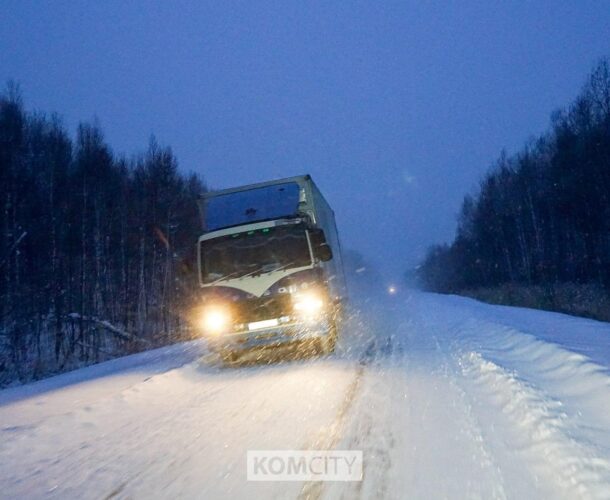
{"x": 267, "y": 337}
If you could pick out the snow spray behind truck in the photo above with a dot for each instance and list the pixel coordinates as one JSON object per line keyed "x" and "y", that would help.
{"x": 270, "y": 268}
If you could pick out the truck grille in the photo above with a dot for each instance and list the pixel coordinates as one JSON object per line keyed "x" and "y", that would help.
{"x": 261, "y": 308}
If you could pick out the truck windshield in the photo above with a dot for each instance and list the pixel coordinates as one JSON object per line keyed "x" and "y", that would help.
{"x": 254, "y": 252}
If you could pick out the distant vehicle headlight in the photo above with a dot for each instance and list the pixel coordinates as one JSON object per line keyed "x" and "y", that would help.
{"x": 215, "y": 320}
{"x": 308, "y": 304}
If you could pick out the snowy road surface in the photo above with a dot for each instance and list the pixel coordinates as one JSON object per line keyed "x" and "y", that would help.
{"x": 446, "y": 397}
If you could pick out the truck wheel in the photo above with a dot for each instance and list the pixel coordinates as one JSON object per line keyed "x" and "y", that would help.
{"x": 328, "y": 343}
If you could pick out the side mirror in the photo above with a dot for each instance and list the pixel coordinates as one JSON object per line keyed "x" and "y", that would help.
{"x": 321, "y": 249}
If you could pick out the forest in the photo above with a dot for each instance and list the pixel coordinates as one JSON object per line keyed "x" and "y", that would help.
{"x": 537, "y": 231}
{"x": 96, "y": 249}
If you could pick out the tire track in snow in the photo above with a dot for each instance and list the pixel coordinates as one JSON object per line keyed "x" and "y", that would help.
{"x": 364, "y": 434}
{"x": 329, "y": 436}
{"x": 370, "y": 426}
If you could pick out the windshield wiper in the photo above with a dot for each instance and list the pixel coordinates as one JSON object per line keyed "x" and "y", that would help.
{"x": 281, "y": 268}
{"x": 260, "y": 270}
{"x": 237, "y": 274}
{"x": 257, "y": 270}
{"x": 234, "y": 274}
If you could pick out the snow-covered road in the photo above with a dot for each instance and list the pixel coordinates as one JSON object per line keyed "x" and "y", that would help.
{"x": 446, "y": 397}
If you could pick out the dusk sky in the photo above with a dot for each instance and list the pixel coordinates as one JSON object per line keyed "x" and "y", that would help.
{"x": 396, "y": 108}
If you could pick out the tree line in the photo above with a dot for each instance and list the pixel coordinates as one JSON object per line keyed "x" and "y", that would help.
{"x": 541, "y": 216}
{"x": 96, "y": 250}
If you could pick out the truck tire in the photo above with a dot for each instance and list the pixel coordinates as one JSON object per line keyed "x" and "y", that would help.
{"x": 328, "y": 342}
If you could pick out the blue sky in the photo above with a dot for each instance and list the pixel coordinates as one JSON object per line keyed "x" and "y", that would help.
{"x": 395, "y": 108}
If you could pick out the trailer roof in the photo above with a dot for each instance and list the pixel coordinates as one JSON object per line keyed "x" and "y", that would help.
{"x": 300, "y": 179}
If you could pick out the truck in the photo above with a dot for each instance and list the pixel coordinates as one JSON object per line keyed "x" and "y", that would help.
{"x": 270, "y": 269}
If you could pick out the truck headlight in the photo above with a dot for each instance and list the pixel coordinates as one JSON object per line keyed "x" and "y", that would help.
{"x": 215, "y": 320}
{"x": 308, "y": 304}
